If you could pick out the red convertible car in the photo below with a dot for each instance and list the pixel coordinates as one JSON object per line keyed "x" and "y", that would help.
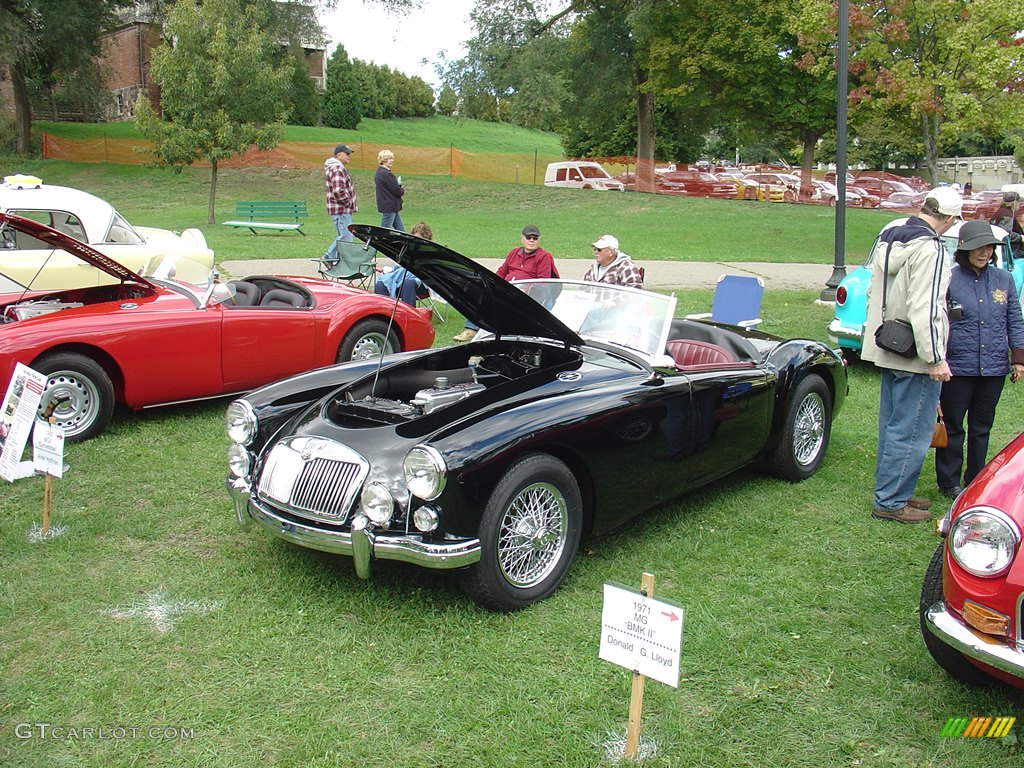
{"x": 147, "y": 341}
{"x": 972, "y": 600}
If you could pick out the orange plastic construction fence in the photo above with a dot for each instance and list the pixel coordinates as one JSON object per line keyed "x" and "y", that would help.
{"x": 437, "y": 161}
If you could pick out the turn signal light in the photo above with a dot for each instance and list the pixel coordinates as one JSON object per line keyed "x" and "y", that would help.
{"x": 985, "y": 619}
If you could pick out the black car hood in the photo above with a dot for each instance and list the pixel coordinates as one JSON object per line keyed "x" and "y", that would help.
{"x": 480, "y": 295}
{"x": 86, "y": 253}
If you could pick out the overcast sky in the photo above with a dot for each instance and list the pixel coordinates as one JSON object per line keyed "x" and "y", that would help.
{"x": 400, "y": 41}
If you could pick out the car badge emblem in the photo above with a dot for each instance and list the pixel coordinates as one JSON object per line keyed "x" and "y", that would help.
{"x": 307, "y": 452}
{"x": 570, "y": 376}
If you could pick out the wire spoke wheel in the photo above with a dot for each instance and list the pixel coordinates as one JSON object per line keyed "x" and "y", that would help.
{"x": 809, "y": 429}
{"x": 532, "y": 535}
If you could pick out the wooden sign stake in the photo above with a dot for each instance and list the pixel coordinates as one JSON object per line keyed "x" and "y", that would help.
{"x": 636, "y": 699}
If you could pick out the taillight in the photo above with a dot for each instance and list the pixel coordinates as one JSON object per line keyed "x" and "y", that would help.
{"x": 841, "y": 295}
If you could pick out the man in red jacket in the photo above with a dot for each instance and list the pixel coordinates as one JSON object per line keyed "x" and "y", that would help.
{"x": 526, "y": 262}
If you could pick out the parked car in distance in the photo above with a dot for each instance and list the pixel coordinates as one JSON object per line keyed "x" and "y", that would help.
{"x": 580, "y": 174}
{"x": 827, "y": 194}
{"x": 972, "y": 596}
{"x": 851, "y": 309}
{"x": 902, "y": 201}
{"x": 787, "y": 181}
{"x": 884, "y": 188}
{"x": 867, "y": 199}
{"x": 579, "y": 406}
{"x": 661, "y": 186}
{"x": 154, "y": 340}
{"x": 94, "y": 221}
{"x": 699, "y": 183}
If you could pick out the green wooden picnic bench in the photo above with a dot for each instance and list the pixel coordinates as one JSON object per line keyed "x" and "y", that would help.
{"x": 253, "y": 215}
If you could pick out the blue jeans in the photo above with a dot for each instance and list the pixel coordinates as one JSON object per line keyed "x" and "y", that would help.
{"x": 341, "y": 222}
{"x": 906, "y": 417}
{"x": 392, "y": 220}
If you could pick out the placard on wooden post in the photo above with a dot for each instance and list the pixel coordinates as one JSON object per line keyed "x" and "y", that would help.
{"x": 644, "y": 636}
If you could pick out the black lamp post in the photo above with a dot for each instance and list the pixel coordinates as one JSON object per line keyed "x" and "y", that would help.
{"x": 828, "y": 293}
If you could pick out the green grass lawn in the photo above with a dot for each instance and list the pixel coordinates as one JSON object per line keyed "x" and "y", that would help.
{"x": 477, "y": 219}
{"x": 437, "y": 131}
{"x": 801, "y": 643}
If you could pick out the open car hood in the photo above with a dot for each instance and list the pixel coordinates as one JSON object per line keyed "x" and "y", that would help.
{"x": 480, "y": 295}
{"x": 68, "y": 244}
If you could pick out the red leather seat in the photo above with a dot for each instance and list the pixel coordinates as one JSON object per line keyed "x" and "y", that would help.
{"x": 700, "y": 355}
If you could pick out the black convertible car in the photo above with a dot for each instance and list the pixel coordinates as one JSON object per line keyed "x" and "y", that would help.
{"x": 578, "y": 406}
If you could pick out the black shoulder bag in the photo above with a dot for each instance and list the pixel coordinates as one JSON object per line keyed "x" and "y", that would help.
{"x": 894, "y": 335}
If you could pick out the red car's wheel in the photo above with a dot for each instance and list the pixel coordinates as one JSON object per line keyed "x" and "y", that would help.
{"x": 82, "y": 391}
{"x": 946, "y": 657}
{"x": 368, "y": 338}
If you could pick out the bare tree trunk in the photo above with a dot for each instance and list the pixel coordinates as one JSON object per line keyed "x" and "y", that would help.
{"x": 211, "y": 214}
{"x": 644, "y": 135}
{"x": 806, "y": 167}
{"x": 930, "y": 134}
{"x": 22, "y": 111}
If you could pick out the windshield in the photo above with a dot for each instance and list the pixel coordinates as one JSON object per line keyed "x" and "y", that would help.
{"x": 594, "y": 172}
{"x": 627, "y": 317}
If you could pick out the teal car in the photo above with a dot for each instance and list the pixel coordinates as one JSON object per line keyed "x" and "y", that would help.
{"x": 851, "y": 312}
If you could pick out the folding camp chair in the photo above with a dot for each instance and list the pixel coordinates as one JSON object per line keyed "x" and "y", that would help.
{"x": 438, "y": 306}
{"x": 737, "y": 301}
{"x": 356, "y": 264}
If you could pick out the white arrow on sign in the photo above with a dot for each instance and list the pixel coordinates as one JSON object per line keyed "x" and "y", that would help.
{"x": 641, "y": 634}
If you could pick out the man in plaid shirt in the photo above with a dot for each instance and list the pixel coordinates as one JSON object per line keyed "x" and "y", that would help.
{"x": 341, "y": 197}
{"x": 613, "y": 266}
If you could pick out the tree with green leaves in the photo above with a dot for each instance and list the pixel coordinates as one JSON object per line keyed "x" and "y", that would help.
{"x": 48, "y": 41}
{"x": 342, "y": 106}
{"x": 223, "y": 85}
{"x": 303, "y": 96}
{"x": 951, "y": 65}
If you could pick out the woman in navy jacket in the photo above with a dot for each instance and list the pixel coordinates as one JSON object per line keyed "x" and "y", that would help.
{"x": 984, "y": 345}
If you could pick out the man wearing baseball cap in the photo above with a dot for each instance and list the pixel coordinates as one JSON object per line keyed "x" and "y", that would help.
{"x": 612, "y": 266}
{"x": 1006, "y": 217}
{"x": 341, "y": 197}
{"x": 910, "y": 272}
{"x": 526, "y": 262}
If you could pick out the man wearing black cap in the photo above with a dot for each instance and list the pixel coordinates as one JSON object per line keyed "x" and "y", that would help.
{"x": 341, "y": 197}
{"x": 526, "y": 262}
{"x": 1006, "y": 217}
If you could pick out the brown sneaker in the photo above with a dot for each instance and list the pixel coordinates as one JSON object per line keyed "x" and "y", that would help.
{"x": 907, "y": 514}
{"x": 917, "y": 502}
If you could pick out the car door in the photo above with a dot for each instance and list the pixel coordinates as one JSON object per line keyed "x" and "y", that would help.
{"x": 264, "y": 344}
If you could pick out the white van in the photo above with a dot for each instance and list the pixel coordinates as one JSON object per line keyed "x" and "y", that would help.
{"x": 580, "y": 174}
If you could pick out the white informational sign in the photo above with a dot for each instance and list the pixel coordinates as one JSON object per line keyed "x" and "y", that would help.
{"x": 641, "y": 634}
{"x": 48, "y": 449}
{"x": 17, "y": 415}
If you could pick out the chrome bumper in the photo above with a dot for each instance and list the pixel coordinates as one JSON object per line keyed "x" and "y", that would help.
{"x": 362, "y": 544}
{"x": 954, "y": 633}
{"x": 838, "y": 332}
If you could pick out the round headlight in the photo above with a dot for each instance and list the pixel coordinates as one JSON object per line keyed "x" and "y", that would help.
{"x": 425, "y": 519}
{"x": 239, "y": 461}
{"x": 241, "y": 423}
{"x": 377, "y": 503}
{"x": 983, "y": 541}
{"x": 425, "y": 472}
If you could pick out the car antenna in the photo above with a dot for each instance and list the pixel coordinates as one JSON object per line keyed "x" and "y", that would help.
{"x": 391, "y": 323}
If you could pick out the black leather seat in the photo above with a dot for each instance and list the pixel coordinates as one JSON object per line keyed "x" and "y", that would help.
{"x": 279, "y": 297}
{"x": 246, "y": 294}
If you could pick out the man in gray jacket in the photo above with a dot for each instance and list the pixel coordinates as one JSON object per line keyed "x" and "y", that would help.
{"x": 915, "y": 291}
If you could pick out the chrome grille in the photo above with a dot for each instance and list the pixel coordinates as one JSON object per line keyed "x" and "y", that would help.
{"x": 313, "y": 477}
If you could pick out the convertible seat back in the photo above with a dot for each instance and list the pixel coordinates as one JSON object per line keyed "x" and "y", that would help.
{"x": 690, "y": 355}
{"x": 279, "y": 297}
{"x": 246, "y": 294}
